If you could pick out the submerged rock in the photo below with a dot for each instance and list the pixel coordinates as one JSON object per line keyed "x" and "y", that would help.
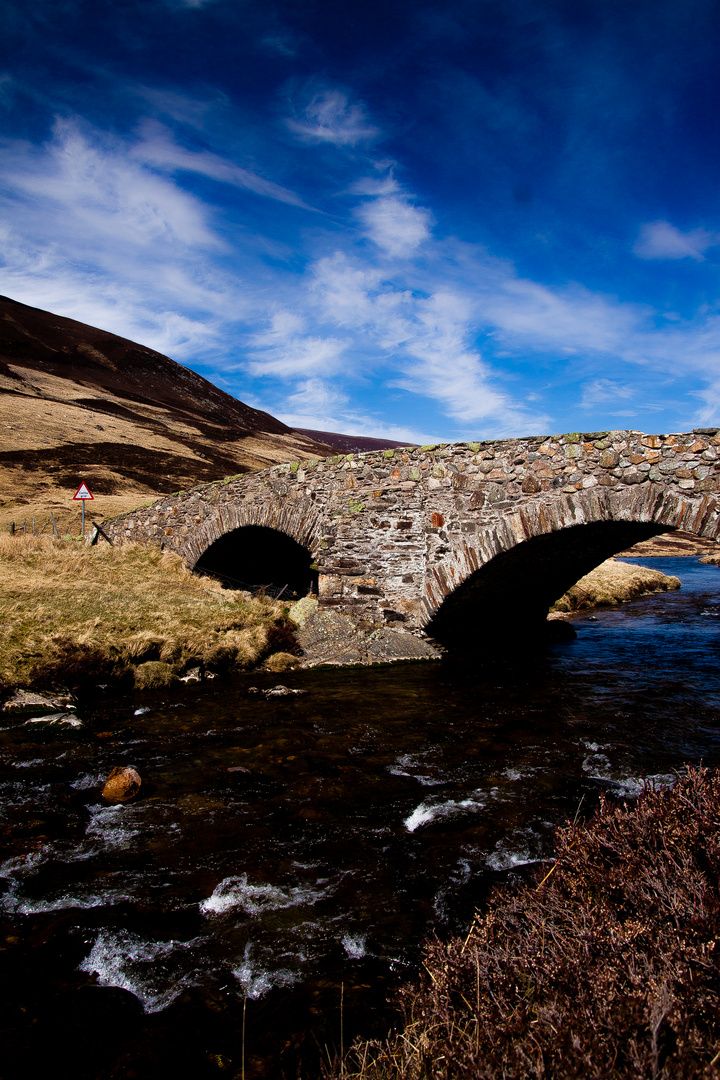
{"x": 122, "y": 784}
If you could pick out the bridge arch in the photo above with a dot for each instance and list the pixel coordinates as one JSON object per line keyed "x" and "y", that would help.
{"x": 258, "y": 557}
{"x": 253, "y": 543}
{"x": 505, "y": 581}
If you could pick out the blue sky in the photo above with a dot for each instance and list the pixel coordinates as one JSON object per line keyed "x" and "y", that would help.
{"x": 429, "y": 220}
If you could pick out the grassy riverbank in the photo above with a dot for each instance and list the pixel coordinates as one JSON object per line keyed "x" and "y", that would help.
{"x": 71, "y": 613}
{"x": 613, "y": 583}
{"x": 606, "y": 965}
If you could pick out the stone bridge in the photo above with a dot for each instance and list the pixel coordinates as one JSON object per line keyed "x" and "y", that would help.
{"x": 463, "y": 542}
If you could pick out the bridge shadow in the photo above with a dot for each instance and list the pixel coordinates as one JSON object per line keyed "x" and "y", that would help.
{"x": 506, "y": 601}
{"x": 255, "y": 557}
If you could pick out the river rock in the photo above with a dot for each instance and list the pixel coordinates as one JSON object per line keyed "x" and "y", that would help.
{"x": 331, "y": 638}
{"x": 192, "y": 676}
{"x": 385, "y": 646}
{"x": 57, "y": 722}
{"x": 559, "y": 630}
{"x": 282, "y": 691}
{"x": 31, "y": 702}
{"x": 302, "y": 610}
{"x": 122, "y": 784}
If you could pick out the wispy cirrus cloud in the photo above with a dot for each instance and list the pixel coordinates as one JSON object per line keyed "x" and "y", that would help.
{"x": 318, "y": 405}
{"x": 285, "y": 350}
{"x": 99, "y": 186}
{"x": 158, "y": 149}
{"x": 601, "y": 391}
{"x": 330, "y": 117}
{"x": 661, "y": 240}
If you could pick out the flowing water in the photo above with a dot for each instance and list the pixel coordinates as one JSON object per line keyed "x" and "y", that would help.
{"x": 287, "y": 856}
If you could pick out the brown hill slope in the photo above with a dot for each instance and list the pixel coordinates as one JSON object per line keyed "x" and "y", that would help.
{"x": 77, "y": 403}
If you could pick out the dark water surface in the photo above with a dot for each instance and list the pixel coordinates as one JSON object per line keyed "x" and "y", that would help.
{"x": 284, "y": 852}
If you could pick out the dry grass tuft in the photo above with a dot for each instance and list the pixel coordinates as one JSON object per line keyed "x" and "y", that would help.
{"x": 153, "y": 675}
{"x": 281, "y": 661}
{"x": 607, "y": 966}
{"x": 613, "y": 583}
{"x": 69, "y": 612}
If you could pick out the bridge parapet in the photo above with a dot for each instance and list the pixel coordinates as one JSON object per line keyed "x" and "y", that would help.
{"x": 395, "y": 532}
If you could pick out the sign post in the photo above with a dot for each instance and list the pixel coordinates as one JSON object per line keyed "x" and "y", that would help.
{"x": 82, "y": 495}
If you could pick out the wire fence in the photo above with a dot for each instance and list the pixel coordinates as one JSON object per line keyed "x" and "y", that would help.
{"x": 52, "y": 526}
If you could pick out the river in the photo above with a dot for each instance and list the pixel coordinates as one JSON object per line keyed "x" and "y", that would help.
{"x": 276, "y": 877}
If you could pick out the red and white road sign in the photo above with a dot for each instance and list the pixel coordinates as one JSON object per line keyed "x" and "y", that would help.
{"x": 82, "y": 493}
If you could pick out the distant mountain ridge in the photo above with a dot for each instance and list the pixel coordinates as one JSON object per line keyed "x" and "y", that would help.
{"x": 352, "y": 444}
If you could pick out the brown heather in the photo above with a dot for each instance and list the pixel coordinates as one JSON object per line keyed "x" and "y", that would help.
{"x": 69, "y": 612}
{"x": 607, "y": 965}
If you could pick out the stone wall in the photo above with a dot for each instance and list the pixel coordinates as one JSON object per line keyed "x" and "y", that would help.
{"x": 395, "y": 532}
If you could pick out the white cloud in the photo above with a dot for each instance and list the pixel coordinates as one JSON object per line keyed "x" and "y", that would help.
{"x": 568, "y": 320}
{"x": 331, "y": 118}
{"x": 600, "y": 391}
{"x": 314, "y": 403}
{"x": 709, "y": 413}
{"x": 661, "y": 240}
{"x": 157, "y": 148}
{"x": 101, "y": 192}
{"x": 284, "y": 350}
{"x": 321, "y": 407}
{"x": 395, "y": 225}
{"x": 374, "y": 185}
{"x": 426, "y": 340}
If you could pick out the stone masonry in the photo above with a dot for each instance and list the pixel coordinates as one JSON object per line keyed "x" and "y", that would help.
{"x": 395, "y": 533}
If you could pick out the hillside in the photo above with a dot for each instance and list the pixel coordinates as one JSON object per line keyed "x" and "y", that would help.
{"x": 78, "y": 403}
{"x": 671, "y": 545}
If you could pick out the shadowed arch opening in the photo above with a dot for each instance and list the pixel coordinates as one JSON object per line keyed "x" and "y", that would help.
{"x": 256, "y": 557}
{"x": 507, "y": 599}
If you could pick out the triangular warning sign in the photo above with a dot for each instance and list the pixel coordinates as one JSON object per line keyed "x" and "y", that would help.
{"x": 83, "y": 492}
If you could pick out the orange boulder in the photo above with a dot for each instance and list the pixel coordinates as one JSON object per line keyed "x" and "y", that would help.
{"x": 121, "y": 785}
